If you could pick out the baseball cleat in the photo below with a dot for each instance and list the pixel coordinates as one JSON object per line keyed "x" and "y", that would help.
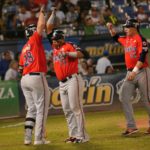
{"x": 130, "y": 131}
{"x": 41, "y": 142}
{"x": 148, "y": 131}
{"x": 70, "y": 140}
{"x": 26, "y": 142}
{"x": 81, "y": 140}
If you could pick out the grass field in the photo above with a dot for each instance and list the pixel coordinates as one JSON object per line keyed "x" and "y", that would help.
{"x": 104, "y": 129}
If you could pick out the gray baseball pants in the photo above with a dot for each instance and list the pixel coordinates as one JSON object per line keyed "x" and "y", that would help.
{"x": 142, "y": 82}
{"x": 37, "y": 95}
{"x": 71, "y": 93}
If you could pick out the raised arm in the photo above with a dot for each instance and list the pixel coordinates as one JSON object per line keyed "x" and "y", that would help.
{"x": 51, "y": 22}
{"x": 41, "y": 21}
{"x": 111, "y": 29}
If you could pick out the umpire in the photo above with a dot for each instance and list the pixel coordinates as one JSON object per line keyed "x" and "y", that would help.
{"x": 138, "y": 72}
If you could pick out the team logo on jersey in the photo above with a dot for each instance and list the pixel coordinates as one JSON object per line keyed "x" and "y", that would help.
{"x": 129, "y": 49}
{"x": 60, "y": 57}
{"x": 28, "y": 58}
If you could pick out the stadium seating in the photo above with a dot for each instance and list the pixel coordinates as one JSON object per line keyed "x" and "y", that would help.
{"x": 118, "y": 2}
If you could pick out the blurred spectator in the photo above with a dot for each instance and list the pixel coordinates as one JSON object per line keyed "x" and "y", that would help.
{"x": 81, "y": 17}
{"x": 32, "y": 6}
{"x": 50, "y": 65}
{"x": 1, "y": 29}
{"x": 74, "y": 2}
{"x": 141, "y": 15}
{"x": 15, "y": 14}
{"x": 23, "y": 14}
{"x": 64, "y": 5}
{"x": 91, "y": 67}
{"x": 9, "y": 8}
{"x": 50, "y": 69}
{"x": 83, "y": 67}
{"x": 17, "y": 56}
{"x": 85, "y": 5}
{"x": 89, "y": 27}
{"x": 60, "y": 15}
{"x": 12, "y": 72}
{"x": 14, "y": 27}
{"x": 32, "y": 19}
{"x": 96, "y": 16}
{"x": 109, "y": 16}
{"x": 103, "y": 63}
{"x": 4, "y": 64}
{"x": 49, "y": 5}
{"x": 109, "y": 70}
{"x": 9, "y": 11}
{"x": 72, "y": 15}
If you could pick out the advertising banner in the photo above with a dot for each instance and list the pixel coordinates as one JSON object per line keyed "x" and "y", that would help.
{"x": 96, "y": 45}
{"x": 9, "y": 99}
{"x": 100, "y": 93}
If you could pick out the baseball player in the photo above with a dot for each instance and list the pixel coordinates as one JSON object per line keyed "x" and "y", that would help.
{"x": 65, "y": 59}
{"x": 138, "y": 72}
{"x": 33, "y": 82}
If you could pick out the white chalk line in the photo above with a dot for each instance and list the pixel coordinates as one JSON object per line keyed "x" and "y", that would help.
{"x": 13, "y": 125}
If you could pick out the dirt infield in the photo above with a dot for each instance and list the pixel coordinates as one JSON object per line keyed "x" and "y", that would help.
{"x": 141, "y": 123}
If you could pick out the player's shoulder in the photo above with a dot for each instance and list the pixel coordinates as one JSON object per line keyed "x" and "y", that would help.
{"x": 73, "y": 45}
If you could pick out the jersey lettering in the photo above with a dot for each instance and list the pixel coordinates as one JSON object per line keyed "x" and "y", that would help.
{"x": 28, "y": 58}
{"x": 59, "y": 58}
{"x": 135, "y": 50}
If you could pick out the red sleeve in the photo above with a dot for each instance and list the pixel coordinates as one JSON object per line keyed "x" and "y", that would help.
{"x": 70, "y": 48}
{"x": 122, "y": 40}
{"x": 36, "y": 37}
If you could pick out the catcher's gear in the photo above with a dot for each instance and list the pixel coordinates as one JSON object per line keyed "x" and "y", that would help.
{"x": 29, "y": 30}
{"x": 58, "y": 35}
{"x": 131, "y": 23}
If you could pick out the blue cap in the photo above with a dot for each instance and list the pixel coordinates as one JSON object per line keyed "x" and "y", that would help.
{"x": 105, "y": 53}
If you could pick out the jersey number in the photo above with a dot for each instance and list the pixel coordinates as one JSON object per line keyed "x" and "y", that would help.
{"x": 28, "y": 58}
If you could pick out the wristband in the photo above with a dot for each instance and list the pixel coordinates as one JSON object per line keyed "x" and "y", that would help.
{"x": 72, "y": 54}
{"x": 135, "y": 69}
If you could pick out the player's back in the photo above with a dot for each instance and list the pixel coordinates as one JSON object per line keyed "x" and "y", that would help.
{"x": 33, "y": 56}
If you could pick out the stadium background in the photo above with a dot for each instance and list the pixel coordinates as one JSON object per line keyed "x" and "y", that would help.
{"x": 100, "y": 92}
{"x": 84, "y": 23}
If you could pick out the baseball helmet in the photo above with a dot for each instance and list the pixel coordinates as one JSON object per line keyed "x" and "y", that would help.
{"x": 57, "y": 35}
{"x": 131, "y": 23}
{"x": 29, "y": 30}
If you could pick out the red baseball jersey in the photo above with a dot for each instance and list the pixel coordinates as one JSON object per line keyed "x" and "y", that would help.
{"x": 32, "y": 57}
{"x": 64, "y": 66}
{"x": 135, "y": 48}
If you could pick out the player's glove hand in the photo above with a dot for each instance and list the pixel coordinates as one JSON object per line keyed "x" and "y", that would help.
{"x": 131, "y": 76}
